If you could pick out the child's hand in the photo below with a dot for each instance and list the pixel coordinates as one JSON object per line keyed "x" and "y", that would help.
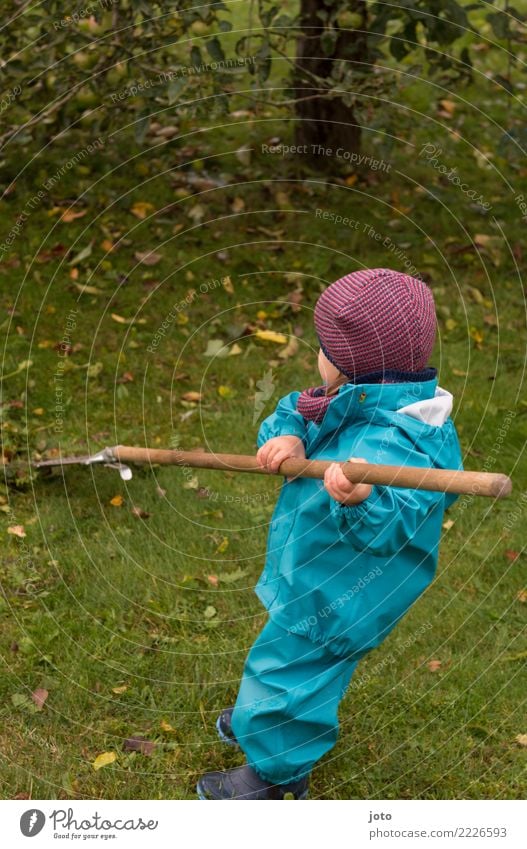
{"x": 343, "y": 490}
{"x": 272, "y": 454}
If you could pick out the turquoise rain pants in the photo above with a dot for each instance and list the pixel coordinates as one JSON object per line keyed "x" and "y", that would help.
{"x": 286, "y": 713}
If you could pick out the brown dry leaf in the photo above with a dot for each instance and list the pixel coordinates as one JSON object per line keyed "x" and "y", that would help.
{"x": 117, "y": 501}
{"x": 148, "y": 257}
{"x": 238, "y": 205}
{"x": 141, "y": 209}
{"x": 16, "y": 530}
{"x": 103, "y": 760}
{"x": 192, "y": 396}
{"x": 74, "y": 273}
{"x": 139, "y": 744}
{"x": 512, "y": 555}
{"x": 39, "y": 696}
{"x": 290, "y": 349}
{"x": 351, "y": 180}
{"x": 434, "y": 665}
{"x": 120, "y": 319}
{"x": 522, "y": 596}
{"x": 521, "y": 739}
{"x": 70, "y": 215}
{"x": 139, "y": 513}
{"x": 107, "y": 245}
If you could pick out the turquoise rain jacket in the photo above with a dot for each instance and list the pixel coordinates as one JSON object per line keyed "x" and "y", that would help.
{"x": 344, "y": 576}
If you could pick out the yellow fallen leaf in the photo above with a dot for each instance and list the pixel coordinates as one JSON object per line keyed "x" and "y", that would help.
{"x": 477, "y": 335}
{"x": 141, "y": 209}
{"x": 223, "y": 546}
{"x": 234, "y": 350}
{"x": 351, "y": 180}
{"x": 225, "y": 392}
{"x": 448, "y": 524}
{"x": 227, "y": 285}
{"x": 165, "y": 726}
{"x": 107, "y": 245}
{"x": 39, "y": 411}
{"x": 117, "y": 500}
{"x": 118, "y": 690}
{"x": 271, "y": 336}
{"x": 104, "y": 759}
{"x": 16, "y": 530}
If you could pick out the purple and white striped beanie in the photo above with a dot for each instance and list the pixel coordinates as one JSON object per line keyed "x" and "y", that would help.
{"x": 373, "y": 325}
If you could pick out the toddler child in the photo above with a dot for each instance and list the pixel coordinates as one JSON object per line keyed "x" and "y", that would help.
{"x": 344, "y": 561}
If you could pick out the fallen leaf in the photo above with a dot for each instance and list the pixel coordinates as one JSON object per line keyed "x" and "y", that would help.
{"x": 231, "y": 577}
{"x": 271, "y": 336}
{"x": 192, "y": 396}
{"x": 139, "y": 513}
{"x": 448, "y": 524}
{"x": 139, "y": 744}
{"x": 216, "y": 348}
{"x": 84, "y": 289}
{"x": 141, "y": 209}
{"x": 120, "y": 319}
{"x": 16, "y": 530}
{"x": 82, "y": 255}
{"x": 118, "y": 690}
{"x": 148, "y": 257}
{"x": 521, "y": 739}
{"x": 117, "y": 500}
{"x": 70, "y": 215}
{"x": 103, "y": 760}
{"x": 290, "y": 349}
{"x": 243, "y": 155}
{"x": 213, "y": 579}
{"x": 227, "y": 285}
{"x": 434, "y": 665}
{"x": 459, "y": 373}
{"x": 512, "y": 555}
{"x": 107, "y": 245}
{"x": 225, "y": 391}
{"x": 522, "y": 596}
{"x": 166, "y": 726}
{"x": 196, "y": 213}
{"x": 39, "y": 696}
{"x": 223, "y": 546}
{"x": 238, "y": 205}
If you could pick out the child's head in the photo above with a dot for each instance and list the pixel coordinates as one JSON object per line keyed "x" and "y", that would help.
{"x": 374, "y": 321}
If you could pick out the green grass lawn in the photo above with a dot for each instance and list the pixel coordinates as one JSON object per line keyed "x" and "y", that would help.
{"x": 140, "y": 625}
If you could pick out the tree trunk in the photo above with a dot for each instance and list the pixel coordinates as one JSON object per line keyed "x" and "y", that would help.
{"x": 324, "y": 123}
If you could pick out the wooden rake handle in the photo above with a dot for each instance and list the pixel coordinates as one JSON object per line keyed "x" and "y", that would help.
{"x": 439, "y": 480}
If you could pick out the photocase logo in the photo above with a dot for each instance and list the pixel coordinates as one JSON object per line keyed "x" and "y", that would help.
{"x": 32, "y": 822}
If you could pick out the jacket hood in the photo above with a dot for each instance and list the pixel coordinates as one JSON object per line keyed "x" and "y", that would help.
{"x": 432, "y": 411}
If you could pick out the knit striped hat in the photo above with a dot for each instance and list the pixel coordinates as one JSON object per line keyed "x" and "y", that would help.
{"x": 376, "y": 320}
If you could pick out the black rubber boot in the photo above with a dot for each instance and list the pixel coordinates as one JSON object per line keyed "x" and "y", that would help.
{"x": 224, "y": 728}
{"x": 244, "y": 783}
